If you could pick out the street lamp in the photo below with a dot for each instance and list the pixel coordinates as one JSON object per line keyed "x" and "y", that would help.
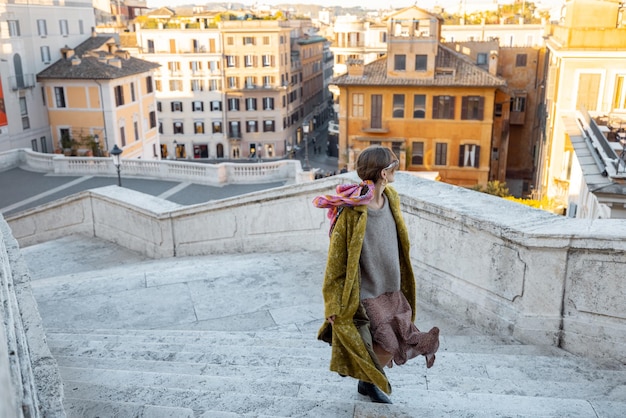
{"x": 305, "y": 128}
{"x": 116, "y": 152}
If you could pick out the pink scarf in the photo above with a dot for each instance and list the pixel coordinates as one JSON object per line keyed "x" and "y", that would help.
{"x": 347, "y": 195}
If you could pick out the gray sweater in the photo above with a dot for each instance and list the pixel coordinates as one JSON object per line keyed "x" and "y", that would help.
{"x": 380, "y": 257}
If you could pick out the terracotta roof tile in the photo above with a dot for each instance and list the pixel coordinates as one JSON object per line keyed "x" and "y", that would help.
{"x": 466, "y": 74}
{"x": 95, "y": 63}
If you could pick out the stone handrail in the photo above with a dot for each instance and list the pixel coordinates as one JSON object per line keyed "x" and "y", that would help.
{"x": 29, "y": 375}
{"x": 508, "y": 268}
{"x": 289, "y": 171}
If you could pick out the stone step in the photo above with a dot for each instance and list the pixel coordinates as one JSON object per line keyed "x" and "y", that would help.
{"x": 316, "y": 355}
{"x": 82, "y": 408}
{"x": 316, "y": 401}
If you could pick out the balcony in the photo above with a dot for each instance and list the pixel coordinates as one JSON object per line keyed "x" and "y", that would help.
{"x": 371, "y": 126}
{"x": 21, "y": 82}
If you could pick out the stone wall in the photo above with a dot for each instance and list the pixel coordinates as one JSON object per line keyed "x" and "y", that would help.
{"x": 499, "y": 265}
{"x": 29, "y": 376}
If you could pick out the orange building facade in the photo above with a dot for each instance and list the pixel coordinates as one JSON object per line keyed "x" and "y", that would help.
{"x": 433, "y": 106}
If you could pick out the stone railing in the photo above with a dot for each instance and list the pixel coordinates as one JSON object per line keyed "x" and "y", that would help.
{"x": 29, "y": 375}
{"x": 210, "y": 174}
{"x": 496, "y": 264}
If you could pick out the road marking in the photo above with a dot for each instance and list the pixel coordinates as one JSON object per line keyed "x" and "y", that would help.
{"x": 173, "y": 190}
{"x": 44, "y": 194}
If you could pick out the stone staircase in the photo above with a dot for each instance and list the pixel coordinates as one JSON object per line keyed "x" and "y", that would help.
{"x": 234, "y": 335}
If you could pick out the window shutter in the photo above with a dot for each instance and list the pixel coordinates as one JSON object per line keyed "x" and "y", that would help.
{"x": 464, "y": 101}
{"x": 461, "y": 155}
{"x": 450, "y": 114}
{"x": 435, "y": 107}
{"x": 481, "y": 108}
{"x": 477, "y": 156}
{"x": 172, "y": 106}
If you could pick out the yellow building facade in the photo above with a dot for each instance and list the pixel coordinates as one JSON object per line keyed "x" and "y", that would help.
{"x": 98, "y": 96}
{"x": 586, "y": 72}
{"x": 430, "y": 104}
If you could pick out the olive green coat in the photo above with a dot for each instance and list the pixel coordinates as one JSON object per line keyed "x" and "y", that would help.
{"x": 350, "y": 355}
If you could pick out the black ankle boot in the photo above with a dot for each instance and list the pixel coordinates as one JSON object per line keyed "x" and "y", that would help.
{"x": 375, "y": 394}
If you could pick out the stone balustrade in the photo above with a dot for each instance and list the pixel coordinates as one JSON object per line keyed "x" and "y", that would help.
{"x": 499, "y": 265}
{"x": 289, "y": 171}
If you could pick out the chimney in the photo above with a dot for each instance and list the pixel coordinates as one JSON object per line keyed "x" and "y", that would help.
{"x": 75, "y": 60}
{"x": 115, "y": 62}
{"x": 355, "y": 67}
{"x": 67, "y": 52}
{"x": 493, "y": 62}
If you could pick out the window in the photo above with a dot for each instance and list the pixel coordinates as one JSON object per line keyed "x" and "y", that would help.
{"x": 267, "y": 60}
{"x": 443, "y": 107}
{"x": 159, "y": 106}
{"x": 232, "y": 82}
{"x": 520, "y": 60}
{"x": 250, "y": 82}
{"x": 268, "y": 80}
{"x": 14, "y": 28}
{"x": 178, "y": 128}
{"x": 619, "y": 99}
{"x": 250, "y": 103}
{"x": 177, "y": 106}
{"x": 497, "y": 110}
{"x": 419, "y": 106}
{"x": 376, "y": 111}
{"x": 123, "y": 136}
{"x": 252, "y": 126}
{"x": 153, "y": 121}
{"x": 136, "y": 130}
{"x": 234, "y": 129}
{"x": 217, "y": 127}
{"x": 160, "y": 127}
{"x": 33, "y": 144}
{"x": 266, "y": 40}
{"x": 215, "y": 85}
{"x": 417, "y": 153}
{"x": 198, "y": 127}
{"x": 588, "y": 91}
{"x": 268, "y": 126}
{"x": 157, "y": 85}
{"x": 45, "y": 54}
{"x": 231, "y": 61}
{"x": 399, "y": 62}
{"x": 472, "y": 107}
{"x": 481, "y": 58}
{"x": 421, "y": 62}
{"x": 195, "y": 66}
{"x": 24, "y": 114}
{"x": 518, "y": 104}
{"x": 216, "y": 106}
{"x": 469, "y": 156}
{"x": 119, "y": 95}
{"x": 42, "y": 27}
{"x": 59, "y": 96}
{"x": 441, "y": 153}
{"x": 214, "y": 66}
{"x": 398, "y": 106}
{"x": 249, "y": 40}
{"x": 358, "y": 104}
{"x": 248, "y": 60}
{"x": 197, "y": 106}
{"x": 233, "y": 104}
{"x": 64, "y": 27}
{"x": 149, "y": 87}
{"x": 176, "y": 85}
{"x": 132, "y": 92}
{"x": 173, "y": 67}
{"x": 268, "y": 103}
{"x": 197, "y": 85}
{"x": 230, "y": 40}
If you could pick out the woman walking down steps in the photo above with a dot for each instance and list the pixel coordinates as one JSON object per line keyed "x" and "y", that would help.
{"x": 369, "y": 287}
